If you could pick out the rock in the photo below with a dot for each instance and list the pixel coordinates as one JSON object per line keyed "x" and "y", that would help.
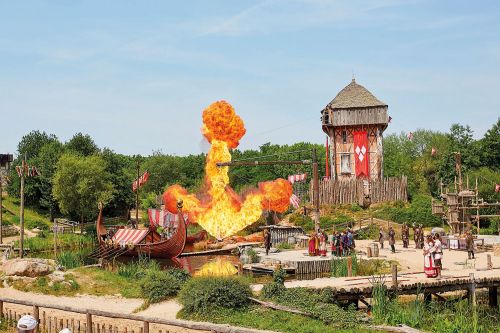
{"x": 31, "y": 267}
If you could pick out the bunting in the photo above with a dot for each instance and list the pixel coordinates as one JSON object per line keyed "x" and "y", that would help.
{"x": 297, "y": 178}
{"x": 141, "y": 181}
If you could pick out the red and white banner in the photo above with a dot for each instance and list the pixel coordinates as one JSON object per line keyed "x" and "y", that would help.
{"x": 297, "y": 178}
{"x": 295, "y": 201}
{"x": 142, "y": 180}
{"x": 361, "y": 155}
{"x": 497, "y": 188}
{"x": 164, "y": 218}
{"x": 410, "y": 136}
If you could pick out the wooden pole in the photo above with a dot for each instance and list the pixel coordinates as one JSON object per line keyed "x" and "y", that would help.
{"x": 349, "y": 266}
{"x": 21, "y": 213}
{"x": 36, "y": 315}
{"x": 89, "y": 323}
{"x": 146, "y": 326}
{"x": 316, "y": 190}
{"x": 489, "y": 263}
{"x": 1, "y": 209}
{"x": 395, "y": 276}
{"x": 137, "y": 196}
{"x": 55, "y": 239}
{"x": 472, "y": 290}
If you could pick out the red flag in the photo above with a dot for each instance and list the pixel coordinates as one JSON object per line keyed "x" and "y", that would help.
{"x": 327, "y": 163}
{"x": 295, "y": 201}
{"x": 410, "y": 136}
{"x": 497, "y": 187}
{"x": 19, "y": 171}
{"x": 361, "y": 156}
{"x": 433, "y": 151}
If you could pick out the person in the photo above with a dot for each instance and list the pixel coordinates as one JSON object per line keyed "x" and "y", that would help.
{"x": 345, "y": 244}
{"x": 333, "y": 242}
{"x": 438, "y": 254}
{"x": 421, "y": 236}
{"x": 350, "y": 240}
{"x": 27, "y": 324}
{"x": 415, "y": 235}
{"x": 392, "y": 239}
{"x": 405, "y": 235}
{"x": 338, "y": 244}
{"x": 469, "y": 241}
{"x": 322, "y": 244}
{"x": 381, "y": 237}
{"x": 267, "y": 240}
{"x": 312, "y": 242}
{"x": 429, "y": 266}
{"x": 316, "y": 243}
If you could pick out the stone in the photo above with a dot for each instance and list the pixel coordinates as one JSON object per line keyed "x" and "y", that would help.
{"x": 31, "y": 267}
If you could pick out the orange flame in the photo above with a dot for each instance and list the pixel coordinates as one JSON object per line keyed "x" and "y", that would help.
{"x": 220, "y": 211}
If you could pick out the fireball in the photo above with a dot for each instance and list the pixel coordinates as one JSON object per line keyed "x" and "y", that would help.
{"x": 219, "y": 210}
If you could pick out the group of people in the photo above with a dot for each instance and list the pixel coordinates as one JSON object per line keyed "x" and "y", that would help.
{"x": 392, "y": 238}
{"x": 433, "y": 254}
{"x": 28, "y": 324}
{"x": 341, "y": 243}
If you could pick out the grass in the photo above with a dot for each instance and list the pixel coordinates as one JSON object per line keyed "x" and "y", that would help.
{"x": 45, "y": 242}
{"x": 266, "y": 319}
{"x": 32, "y": 218}
{"x": 43, "y": 285}
{"x": 99, "y": 282}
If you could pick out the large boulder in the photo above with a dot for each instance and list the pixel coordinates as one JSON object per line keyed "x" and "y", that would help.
{"x": 31, "y": 267}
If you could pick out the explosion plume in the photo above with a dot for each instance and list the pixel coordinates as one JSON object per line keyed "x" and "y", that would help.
{"x": 219, "y": 210}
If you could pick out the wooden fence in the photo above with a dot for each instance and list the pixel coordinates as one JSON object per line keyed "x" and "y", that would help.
{"x": 53, "y": 318}
{"x": 338, "y": 192}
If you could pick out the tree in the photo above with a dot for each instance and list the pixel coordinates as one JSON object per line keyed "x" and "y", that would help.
{"x": 80, "y": 183}
{"x": 122, "y": 171}
{"x": 82, "y": 144}
{"x": 31, "y": 144}
{"x": 490, "y": 147}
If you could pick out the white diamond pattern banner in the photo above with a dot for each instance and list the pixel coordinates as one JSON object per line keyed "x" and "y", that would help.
{"x": 361, "y": 155}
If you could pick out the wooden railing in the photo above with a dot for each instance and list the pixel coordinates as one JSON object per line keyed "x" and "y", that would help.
{"x": 96, "y": 321}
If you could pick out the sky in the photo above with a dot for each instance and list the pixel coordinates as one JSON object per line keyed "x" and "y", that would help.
{"x": 136, "y": 75}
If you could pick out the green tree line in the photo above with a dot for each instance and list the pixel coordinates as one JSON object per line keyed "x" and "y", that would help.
{"x": 76, "y": 174}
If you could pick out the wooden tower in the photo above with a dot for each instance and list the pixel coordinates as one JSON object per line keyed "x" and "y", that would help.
{"x": 354, "y": 122}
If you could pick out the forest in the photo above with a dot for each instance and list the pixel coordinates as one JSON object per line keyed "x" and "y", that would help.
{"x": 76, "y": 174}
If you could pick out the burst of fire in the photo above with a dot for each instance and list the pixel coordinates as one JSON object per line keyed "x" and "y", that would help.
{"x": 219, "y": 210}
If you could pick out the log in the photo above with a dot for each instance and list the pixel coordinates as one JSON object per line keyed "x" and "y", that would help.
{"x": 279, "y": 307}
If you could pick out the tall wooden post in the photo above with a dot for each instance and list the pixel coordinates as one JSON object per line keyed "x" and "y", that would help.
{"x": 1, "y": 210}
{"x": 21, "y": 213}
{"x": 315, "y": 190}
{"x": 137, "y": 196}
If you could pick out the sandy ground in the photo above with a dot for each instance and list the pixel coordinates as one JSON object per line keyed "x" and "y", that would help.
{"x": 410, "y": 261}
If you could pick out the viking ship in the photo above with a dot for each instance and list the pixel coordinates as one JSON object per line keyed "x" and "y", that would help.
{"x": 134, "y": 242}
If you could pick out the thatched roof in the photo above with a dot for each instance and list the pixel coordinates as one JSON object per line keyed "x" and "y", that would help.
{"x": 354, "y": 96}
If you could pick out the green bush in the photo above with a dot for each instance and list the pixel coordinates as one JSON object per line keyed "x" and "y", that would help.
{"x": 302, "y": 221}
{"x": 253, "y": 255}
{"x": 157, "y": 286}
{"x": 318, "y": 306}
{"x": 201, "y": 294}
{"x": 73, "y": 259}
{"x": 179, "y": 274}
{"x": 284, "y": 246}
{"x": 138, "y": 268}
{"x": 277, "y": 286}
{"x": 418, "y": 211}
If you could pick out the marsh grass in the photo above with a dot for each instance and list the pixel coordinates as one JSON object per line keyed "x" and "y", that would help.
{"x": 44, "y": 242}
{"x": 339, "y": 266}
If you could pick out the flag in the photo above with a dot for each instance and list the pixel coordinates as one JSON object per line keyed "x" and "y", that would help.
{"x": 497, "y": 187}
{"x": 295, "y": 201}
{"x": 140, "y": 181}
{"x": 390, "y": 118}
{"x": 433, "y": 151}
{"x": 410, "y": 136}
{"x": 19, "y": 171}
{"x": 297, "y": 178}
{"x": 361, "y": 154}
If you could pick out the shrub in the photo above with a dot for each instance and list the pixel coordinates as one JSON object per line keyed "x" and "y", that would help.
{"x": 284, "y": 246}
{"x": 201, "y": 294}
{"x": 253, "y": 255}
{"x": 417, "y": 211}
{"x": 180, "y": 275}
{"x": 277, "y": 287}
{"x": 138, "y": 269}
{"x": 157, "y": 286}
{"x": 72, "y": 259}
{"x": 303, "y": 221}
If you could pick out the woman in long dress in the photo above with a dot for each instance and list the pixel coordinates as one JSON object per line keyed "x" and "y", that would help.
{"x": 322, "y": 244}
{"x": 312, "y": 242}
{"x": 429, "y": 266}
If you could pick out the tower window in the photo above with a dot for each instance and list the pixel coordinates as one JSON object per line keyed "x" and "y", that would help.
{"x": 344, "y": 136}
{"x": 345, "y": 163}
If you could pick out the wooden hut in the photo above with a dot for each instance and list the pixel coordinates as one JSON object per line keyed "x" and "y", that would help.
{"x": 354, "y": 122}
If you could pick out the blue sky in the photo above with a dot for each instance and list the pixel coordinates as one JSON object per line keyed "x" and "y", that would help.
{"x": 136, "y": 75}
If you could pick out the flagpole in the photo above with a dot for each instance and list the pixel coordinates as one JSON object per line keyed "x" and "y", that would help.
{"x": 1, "y": 209}
{"x": 21, "y": 213}
{"x": 137, "y": 197}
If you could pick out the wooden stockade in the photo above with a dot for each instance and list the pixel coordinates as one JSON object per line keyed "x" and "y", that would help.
{"x": 281, "y": 233}
{"x": 338, "y": 192}
{"x": 95, "y": 321}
